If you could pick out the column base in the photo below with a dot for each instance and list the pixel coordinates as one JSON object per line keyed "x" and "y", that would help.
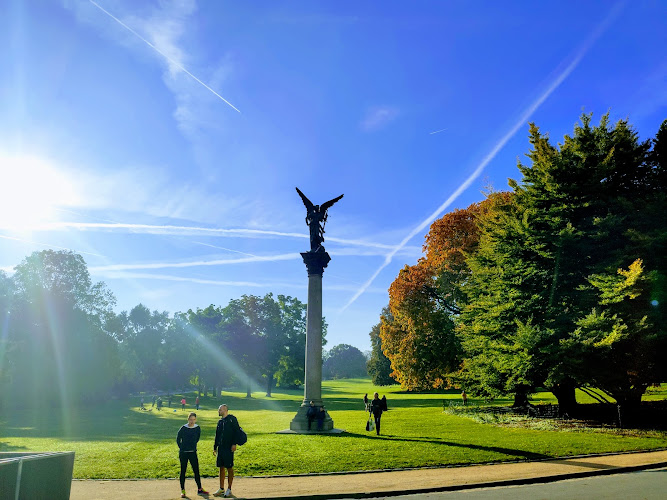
{"x": 299, "y": 424}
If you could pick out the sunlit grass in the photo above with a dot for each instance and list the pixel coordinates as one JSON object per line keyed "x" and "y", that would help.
{"x": 117, "y": 440}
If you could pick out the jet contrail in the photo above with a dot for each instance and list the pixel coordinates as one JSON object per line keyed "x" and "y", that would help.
{"x": 174, "y": 230}
{"x": 48, "y": 245}
{"x": 216, "y": 262}
{"x": 585, "y": 46}
{"x": 437, "y": 131}
{"x": 163, "y": 55}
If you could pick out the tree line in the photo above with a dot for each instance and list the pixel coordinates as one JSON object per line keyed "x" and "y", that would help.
{"x": 559, "y": 282}
{"x": 61, "y": 341}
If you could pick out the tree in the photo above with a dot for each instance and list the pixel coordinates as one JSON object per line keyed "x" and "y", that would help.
{"x": 62, "y": 350}
{"x": 576, "y": 214}
{"x": 420, "y": 338}
{"x": 378, "y": 365}
{"x": 344, "y": 361}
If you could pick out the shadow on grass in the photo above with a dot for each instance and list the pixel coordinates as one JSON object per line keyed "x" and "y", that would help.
{"x": 528, "y": 455}
{"x": 10, "y": 447}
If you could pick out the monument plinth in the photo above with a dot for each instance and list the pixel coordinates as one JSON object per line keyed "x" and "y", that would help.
{"x": 316, "y": 260}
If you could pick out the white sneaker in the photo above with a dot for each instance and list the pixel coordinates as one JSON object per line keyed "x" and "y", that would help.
{"x": 228, "y": 492}
{"x": 219, "y": 493}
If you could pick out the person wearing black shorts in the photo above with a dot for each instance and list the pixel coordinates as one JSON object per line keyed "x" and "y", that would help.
{"x": 224, "y": 446}
{"x": 187, "y": 439}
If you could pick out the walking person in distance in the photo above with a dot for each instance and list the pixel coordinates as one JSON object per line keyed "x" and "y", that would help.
{"x": 376, "y": 410}
{"x": 187, "y": 439}
{"x": 224, "y": 446}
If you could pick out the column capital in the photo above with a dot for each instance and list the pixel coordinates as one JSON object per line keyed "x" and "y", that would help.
{"x": 316, "y": 261}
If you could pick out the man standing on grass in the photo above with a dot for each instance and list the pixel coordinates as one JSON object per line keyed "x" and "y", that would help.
{"x": 226, "y": 438}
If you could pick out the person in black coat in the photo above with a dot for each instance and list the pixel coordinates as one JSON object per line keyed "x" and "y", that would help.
{"x": 376, "y": 410}
{"x": 226, "y": 438}
{"x": 187, "y": 439}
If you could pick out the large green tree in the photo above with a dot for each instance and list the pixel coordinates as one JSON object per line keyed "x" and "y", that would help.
{"x": 576, "y": 213}
{"x": 379, "y": 366}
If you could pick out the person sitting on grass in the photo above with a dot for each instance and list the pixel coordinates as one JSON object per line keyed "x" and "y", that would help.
{"x": 187, "y": 439}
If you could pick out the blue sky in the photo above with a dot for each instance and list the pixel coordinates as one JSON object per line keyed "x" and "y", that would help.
{"x": 163, "y": 140}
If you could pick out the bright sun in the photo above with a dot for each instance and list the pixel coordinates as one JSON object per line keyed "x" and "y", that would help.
{"x": 32, "y": 188}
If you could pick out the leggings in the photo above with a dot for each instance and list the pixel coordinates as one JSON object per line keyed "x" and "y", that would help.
{"x": 377, "y": 423}
{"x": 194, "y": 461}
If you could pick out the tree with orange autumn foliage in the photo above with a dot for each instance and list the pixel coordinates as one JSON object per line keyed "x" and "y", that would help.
{"x": 419, "y": 337}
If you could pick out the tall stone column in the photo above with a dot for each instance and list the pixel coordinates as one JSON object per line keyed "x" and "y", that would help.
{"x": 315, "y": 262}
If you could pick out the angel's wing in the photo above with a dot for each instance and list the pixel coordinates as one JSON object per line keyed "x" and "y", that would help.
{"x": 327, "y": 205}
{"x": 306, "y": 201}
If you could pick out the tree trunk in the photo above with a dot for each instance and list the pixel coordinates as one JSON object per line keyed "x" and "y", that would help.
{"x": 520, "y": 398}
{"x": 269, "y": 385}
{"x": 565, "y": 394}
{"x": 628, "y": 404}
{"x": 248, "y": 393}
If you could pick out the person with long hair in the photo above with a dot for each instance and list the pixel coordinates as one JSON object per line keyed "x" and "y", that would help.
{"x": 187, "y": 439}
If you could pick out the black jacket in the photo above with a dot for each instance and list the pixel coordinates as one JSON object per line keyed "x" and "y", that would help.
{"x": 227, "y": 432}
{"x": 376, "y": 407}
{"x": 188, "y": 437}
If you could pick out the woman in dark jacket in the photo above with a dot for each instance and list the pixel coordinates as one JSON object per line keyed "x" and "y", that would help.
{"x": 376, "y": 410}
{"x": 187, "y": 439}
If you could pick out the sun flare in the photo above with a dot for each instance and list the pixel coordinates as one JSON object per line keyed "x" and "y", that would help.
{"x": 32, "y": 190}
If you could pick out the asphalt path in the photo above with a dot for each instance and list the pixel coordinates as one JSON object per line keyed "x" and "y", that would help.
{"x": 643, "y": 485}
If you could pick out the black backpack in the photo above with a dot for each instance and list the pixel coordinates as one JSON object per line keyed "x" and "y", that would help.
{"x": 242, "y": 437}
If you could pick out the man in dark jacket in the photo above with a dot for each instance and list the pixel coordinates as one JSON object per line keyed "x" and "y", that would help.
{"x": 226, "y": 439}
{"x": 376, "y": 410}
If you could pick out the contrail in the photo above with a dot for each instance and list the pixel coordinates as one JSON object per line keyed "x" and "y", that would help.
{"x": 585, "y": 46}
{"x": 438, "y": 131}
{"x": 180, "y": 230}
{"x": 201, "y": 281}
{"x": 48, "y": 245}
{"x": 164, "y": 55}
{"x": 217, "y": 262}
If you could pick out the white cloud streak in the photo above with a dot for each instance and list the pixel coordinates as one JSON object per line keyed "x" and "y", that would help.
{"x": 191, "y": 230}
{"x": 197, "y": 263}
{"x": 49, "y": 245}
{"x": 253, "y": 284}
{"x": 523, "y": 118}
{"x": 171, "y": 60}
{"x": 438, "y": 131}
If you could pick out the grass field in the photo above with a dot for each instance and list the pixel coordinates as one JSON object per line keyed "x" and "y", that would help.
{"x": 117, "y": 440}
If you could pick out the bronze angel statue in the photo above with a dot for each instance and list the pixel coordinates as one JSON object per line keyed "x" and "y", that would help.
{"x": 316, "y": 218}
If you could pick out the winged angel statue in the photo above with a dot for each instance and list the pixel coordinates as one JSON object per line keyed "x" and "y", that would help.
{"x": 316, "y": 218}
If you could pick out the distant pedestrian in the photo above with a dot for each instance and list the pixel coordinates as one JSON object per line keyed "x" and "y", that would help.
{"x": 142, "y": 403}
{"x": 311, "y": 414}
{"x": 187, "y": 439}
{"x": 376, "y": 410}
{"x": 159, "y": 403}
{"x": 197, "y": 403}
{"x": 154, "y": 399}
{"x": 224, "y": 446}
{"x": 464, "y": 397}
{"x": 183, "y": 404}
{"x": 384, "y": 403}
{"x": 366, "y": 408}
{"x": 169, "y": 400}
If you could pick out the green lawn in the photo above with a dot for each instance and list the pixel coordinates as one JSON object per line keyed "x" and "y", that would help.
{"x": 117, "y": 440}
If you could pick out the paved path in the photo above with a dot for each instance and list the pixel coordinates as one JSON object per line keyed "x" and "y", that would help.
{"x": 647, "y": 484}
{"x": 379, "y": 484}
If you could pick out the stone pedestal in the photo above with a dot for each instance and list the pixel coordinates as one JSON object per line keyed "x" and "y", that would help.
{"x": 315, "y": 262}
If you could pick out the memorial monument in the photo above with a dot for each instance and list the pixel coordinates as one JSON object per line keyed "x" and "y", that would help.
{"x": 316, "y": 259}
